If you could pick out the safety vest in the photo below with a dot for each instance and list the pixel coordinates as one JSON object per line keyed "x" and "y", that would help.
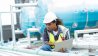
{"x": 52, "y": 39}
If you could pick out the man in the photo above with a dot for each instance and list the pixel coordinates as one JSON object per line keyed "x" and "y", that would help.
{"x": 54, "y": 32}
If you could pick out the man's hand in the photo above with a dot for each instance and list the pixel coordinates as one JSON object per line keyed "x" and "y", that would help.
{"x": 62, "y": 50}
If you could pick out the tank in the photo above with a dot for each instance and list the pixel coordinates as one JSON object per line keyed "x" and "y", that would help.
{"x": 74, "y": 16}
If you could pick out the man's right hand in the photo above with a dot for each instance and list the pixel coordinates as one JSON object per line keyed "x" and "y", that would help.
{"x": 62, "y": 50}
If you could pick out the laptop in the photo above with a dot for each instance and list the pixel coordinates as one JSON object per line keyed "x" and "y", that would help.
{"x": 66, "y": 44}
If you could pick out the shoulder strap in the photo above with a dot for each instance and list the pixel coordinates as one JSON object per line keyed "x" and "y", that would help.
{"x": 65, "y": 31}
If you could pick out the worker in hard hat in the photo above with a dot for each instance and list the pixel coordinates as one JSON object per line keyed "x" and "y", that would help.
{"x": 54, "y": 31}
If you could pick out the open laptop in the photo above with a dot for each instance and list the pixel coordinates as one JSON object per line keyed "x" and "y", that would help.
{"x": 66, "y": 44}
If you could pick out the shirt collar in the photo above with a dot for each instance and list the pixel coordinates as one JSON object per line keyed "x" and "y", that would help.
{"x": 59, "y": 30}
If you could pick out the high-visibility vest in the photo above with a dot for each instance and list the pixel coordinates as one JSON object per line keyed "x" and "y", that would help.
{"x": 52, "y": 39}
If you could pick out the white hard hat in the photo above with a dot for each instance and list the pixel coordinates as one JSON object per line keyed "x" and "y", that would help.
{"x": 49, "y": 17}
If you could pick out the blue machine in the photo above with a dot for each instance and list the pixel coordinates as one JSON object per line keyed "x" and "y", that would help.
{"x": 74, "y": 20}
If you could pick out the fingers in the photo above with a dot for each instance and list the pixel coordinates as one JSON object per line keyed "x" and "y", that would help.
{"x": 62, "y": 50}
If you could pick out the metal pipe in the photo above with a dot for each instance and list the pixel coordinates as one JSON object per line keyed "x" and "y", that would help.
{"x": 11, "y": 11}
{"x": 12, "y": 26}
{"x": 43, "y": 53}
{"x": 25, "y": 5}
{"x": 1, "y": 32}
{"x": 5, "y": 52}
{"x": 86, "y": 25}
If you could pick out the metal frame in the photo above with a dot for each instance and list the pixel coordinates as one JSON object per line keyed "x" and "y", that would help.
{"x": 1, "y": 32}
{"x": 12, "y": 21}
